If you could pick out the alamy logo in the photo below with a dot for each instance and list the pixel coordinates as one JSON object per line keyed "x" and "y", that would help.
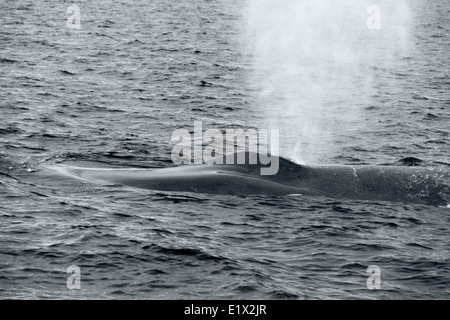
{"x": 214, "y": 152}
{"x": 374, "y": 21}
{"x": 74, "y": 21}
{"x": 374, "y": 281}
{"x": 74, "y": 281}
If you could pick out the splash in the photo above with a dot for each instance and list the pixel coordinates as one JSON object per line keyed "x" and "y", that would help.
{"x": 312, "y": 66}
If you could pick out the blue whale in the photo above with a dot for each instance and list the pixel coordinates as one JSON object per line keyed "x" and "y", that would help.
{"x": 422, "y": 185}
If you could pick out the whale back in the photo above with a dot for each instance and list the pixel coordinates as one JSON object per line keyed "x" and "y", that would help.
{"x": 377, "y": 183}
{"x": 387, "y": 183}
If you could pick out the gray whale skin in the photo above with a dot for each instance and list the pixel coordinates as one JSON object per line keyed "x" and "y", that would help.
{"x": 422, "y": 185}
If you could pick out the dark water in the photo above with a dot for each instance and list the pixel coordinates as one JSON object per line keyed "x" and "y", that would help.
{"x": 113, "y": 92}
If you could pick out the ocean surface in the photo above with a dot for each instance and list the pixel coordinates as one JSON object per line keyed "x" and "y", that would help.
{"x": 110, "y": 95}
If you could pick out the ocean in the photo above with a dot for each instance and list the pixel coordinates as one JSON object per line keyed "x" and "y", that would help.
{"x": 111, "y": 93}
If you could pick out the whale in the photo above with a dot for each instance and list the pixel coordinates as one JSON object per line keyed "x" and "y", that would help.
{"x": 405, "y": 184}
